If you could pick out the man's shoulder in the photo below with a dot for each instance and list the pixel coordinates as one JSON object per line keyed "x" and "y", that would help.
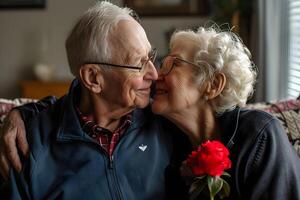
{"x": 51, "y": 112}
{"x": 43, "y": 124}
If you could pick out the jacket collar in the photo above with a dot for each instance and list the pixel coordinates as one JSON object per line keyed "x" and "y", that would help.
{"x": 229, "y": 122}
{"x": 69, "y": 125}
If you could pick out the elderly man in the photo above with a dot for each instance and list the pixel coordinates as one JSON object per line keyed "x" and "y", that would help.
{"x": 97, "y": 142}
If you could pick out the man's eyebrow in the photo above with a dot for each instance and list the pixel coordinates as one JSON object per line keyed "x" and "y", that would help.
{"x": 132, "y": 58}
{"x": 146, "y": 56}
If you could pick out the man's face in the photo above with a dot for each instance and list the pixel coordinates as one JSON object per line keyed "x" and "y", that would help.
{"x": 128, "y": 87}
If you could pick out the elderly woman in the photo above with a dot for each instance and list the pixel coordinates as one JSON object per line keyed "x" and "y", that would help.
{"x": 202, "y": 84}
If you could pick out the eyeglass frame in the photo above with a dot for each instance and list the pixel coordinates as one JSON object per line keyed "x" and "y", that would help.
{"x": 150, "y": 58}
{"x": 180, "y": 59}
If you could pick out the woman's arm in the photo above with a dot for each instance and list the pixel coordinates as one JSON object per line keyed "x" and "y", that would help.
{"x": 13, "y": 135}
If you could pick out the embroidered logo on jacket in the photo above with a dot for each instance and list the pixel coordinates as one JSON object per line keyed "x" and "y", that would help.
{"x": 143, "y": 147}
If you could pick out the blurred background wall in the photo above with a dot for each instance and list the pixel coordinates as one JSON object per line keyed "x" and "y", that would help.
{"x": 31, "y": 36}
{"x": 270, "y": 28}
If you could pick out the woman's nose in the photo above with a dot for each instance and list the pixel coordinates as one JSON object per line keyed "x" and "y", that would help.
{"x": 160, "y": 74}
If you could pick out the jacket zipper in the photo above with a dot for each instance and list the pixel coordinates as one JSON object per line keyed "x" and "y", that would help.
{"x": 111, "y": 162}
{"x": 115, "y": 185}
{"x": 112, "y": 172}
{"x": 114, "y": 177}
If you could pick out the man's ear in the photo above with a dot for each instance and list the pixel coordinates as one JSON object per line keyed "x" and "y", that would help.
{"x": 91, "y": 78}
{"x": 215, "y": 86}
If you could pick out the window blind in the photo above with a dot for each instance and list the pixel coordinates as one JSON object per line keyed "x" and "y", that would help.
{"x": 293, "y": 84}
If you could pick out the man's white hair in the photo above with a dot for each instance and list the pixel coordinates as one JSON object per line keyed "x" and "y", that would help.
{"x": 222, "y": 51}
{"x": 88, "y": 40}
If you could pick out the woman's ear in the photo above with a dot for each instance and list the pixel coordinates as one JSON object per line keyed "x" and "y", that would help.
{"x": 215, "y": 86}
{"x": 91, "y": 78}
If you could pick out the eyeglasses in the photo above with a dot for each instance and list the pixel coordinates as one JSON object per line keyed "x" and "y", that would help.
{"x": 169, "y": 62}
{"x": 151, "y": 57}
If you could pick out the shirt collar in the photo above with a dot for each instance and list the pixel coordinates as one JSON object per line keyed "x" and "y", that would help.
{"x": 85, "y": 120}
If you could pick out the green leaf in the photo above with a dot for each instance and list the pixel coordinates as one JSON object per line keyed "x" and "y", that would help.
{"x": 200, "y": 177}
{"x": 198, "y": 184}
{"x": 225, "y": 190}
{"x": 195, "y": 193}
{"x": 226, "y": 174}
{"x": 197, "y": 187}
{"x": 214, "y": 185}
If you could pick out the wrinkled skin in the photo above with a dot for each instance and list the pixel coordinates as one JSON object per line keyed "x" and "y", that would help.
{"x": 12, "y": 136}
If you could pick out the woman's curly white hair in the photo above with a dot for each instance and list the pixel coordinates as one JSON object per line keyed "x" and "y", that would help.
{"x": 222, "y": 51}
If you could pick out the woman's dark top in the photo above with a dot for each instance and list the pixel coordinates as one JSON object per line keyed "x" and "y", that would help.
{"x": 264, "y": 163}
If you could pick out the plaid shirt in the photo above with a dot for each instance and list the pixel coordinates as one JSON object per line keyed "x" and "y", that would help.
{"x": 107, "y": 139}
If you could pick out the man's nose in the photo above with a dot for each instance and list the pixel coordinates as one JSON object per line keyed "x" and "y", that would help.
{"x": 151, "y": 72}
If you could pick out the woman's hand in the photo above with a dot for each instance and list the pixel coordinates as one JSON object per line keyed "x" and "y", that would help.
{"x": 12, "y": 134}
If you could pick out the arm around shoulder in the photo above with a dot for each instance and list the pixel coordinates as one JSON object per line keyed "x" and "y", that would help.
{"x": 31, "y": 109}
{"x": 13, "y": 135}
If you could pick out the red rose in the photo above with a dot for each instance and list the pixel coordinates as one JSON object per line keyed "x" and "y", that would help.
{"x": 210, "y": 158}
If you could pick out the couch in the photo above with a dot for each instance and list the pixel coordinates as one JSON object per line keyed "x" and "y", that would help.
{"x": 287, "y": 111}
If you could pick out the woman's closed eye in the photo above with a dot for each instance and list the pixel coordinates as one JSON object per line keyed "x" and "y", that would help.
{"x": 177, "y": 62}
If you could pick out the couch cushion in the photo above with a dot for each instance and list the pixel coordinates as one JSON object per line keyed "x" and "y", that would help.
{"x": 6, "y": 105}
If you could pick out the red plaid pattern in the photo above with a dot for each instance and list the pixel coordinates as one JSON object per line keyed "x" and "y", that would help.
{"x": 107, "y": 139}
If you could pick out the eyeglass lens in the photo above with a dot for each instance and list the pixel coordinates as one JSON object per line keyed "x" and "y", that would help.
{"x": 167, "y": 64}
{"x": 151, "y": 57}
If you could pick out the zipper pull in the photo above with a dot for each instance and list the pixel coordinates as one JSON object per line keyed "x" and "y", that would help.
{"x": 111, "y": 162}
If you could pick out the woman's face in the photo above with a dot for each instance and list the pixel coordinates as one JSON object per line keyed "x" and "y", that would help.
{"x": 177, "y": 91}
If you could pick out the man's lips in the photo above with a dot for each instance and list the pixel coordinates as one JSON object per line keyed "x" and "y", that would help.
{"x": 145, "y": 90}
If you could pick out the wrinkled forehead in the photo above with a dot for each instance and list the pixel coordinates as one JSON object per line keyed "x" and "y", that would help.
{"x": 128, "y": 40}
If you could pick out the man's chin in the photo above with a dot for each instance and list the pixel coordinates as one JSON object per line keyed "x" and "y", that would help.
{"x": 142, "y": 103}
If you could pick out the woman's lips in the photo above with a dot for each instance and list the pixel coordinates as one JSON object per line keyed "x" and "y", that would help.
{"x": 160, "y": 91}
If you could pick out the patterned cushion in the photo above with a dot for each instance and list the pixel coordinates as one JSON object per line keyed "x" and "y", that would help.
{"x": 6, "y": 105}
{"x": 288, "y": 113}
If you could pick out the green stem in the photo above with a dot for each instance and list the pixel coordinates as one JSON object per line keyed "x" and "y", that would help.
{"x": 211, "y": 197}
